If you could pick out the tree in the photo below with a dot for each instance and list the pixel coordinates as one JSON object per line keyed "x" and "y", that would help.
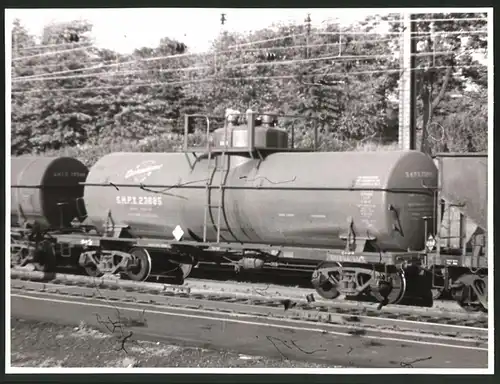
{"x": 274, "y": 69}
{"x": 451, "y": 44}
{"x": 69, "y": 93}
{"x": 341, "y": 84}
{"x": 43, "y": 116}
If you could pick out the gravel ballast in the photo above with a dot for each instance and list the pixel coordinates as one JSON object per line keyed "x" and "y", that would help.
{"x": 37, "y": 344}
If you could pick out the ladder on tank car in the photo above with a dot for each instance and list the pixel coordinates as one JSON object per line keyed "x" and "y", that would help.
{"x": 215, "y": 164}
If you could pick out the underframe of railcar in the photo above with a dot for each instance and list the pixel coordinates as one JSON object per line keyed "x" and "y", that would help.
{"x": 385, "y": 276}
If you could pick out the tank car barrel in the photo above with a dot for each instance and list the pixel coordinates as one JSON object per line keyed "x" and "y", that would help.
{"x": 325, "y": 198}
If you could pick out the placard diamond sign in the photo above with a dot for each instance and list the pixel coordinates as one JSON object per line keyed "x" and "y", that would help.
{"x": 178, "y": 233}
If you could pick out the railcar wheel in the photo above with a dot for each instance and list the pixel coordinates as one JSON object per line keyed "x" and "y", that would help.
{"x": 463, "y": 296}
{"x": 390, "y": 292}
{"x": 471, "y": 293}
{"x": 327, "y": 291}
{"x": 143, "y": 264}
{"x": 44, "y": 259}
{"x": 325, "y": 280}
{"x": 92, "y": 270}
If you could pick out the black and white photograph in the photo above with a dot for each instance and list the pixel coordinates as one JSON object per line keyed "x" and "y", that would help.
{"x": 249, "y": 190}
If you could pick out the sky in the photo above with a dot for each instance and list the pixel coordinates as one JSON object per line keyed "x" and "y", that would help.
{"x": 123, "y": 30}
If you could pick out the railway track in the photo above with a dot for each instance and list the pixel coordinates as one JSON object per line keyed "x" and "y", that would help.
{"x": 242, "y": 298}
{"x": 285, "y": 288}
{"x": 249, "y": 322}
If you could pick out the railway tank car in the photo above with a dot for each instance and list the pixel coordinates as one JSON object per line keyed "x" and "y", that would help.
{"x": 363, "y": 223}
{"x": 299, "y": 199}
{"x": 46, "y": 196}
{"x": 364, "y": 214}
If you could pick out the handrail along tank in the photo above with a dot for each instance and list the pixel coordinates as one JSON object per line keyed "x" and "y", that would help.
{"x": 300, "y": 199}
{"x": 46, "y": 191}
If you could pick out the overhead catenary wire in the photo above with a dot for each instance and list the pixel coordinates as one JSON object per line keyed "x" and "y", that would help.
{"x": 107, "y": 64}
{"x": 49, "y": 76}
{"x": 234, "y": 51}
{"x": 416, "y": 20}
{"x": 281, "y": 48}
{"x": 26, "y": 78}
{"x": 259, "y": 64}
{"x": 267, "y": 40}
{"x": 423, "y": 33}
{"x": 243, "y": 78}
{"x": 113, "y": 74}
{"x": 250, "y": 43}
{"x": 52, "y": 53}
{"x": 59, "y": 64}
{"x": 379, "y": 19}
{"x": 101, "y": 66}
{"x": 392, "y": 17}
{"x": 354, "y": 32}
{"x": 44, "y": 46}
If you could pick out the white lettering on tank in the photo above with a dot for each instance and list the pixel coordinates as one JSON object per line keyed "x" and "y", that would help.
{"x": 69, "y": 174}
{"x": 418, "y": 174}
{"x": 367, "y": 181}
{"x": 367, "y": 208}
{"x": 139, "y": 200}
{"x": 143, "y": 170}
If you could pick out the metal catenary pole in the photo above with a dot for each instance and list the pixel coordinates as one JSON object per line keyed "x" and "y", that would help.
{"x": 407, "y": 90}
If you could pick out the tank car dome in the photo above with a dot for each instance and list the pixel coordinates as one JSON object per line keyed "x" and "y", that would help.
{"x": 263, "y": 127}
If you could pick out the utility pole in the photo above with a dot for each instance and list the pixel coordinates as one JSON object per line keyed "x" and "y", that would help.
{"x": 407, "y": 87}
{"x": 223, "y": 20}
{"x": 308, "y": 32}
{"x": 427, "y": 90}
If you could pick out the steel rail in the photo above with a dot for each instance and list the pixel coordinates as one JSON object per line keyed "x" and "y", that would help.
{"x": 314, "y": 311}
